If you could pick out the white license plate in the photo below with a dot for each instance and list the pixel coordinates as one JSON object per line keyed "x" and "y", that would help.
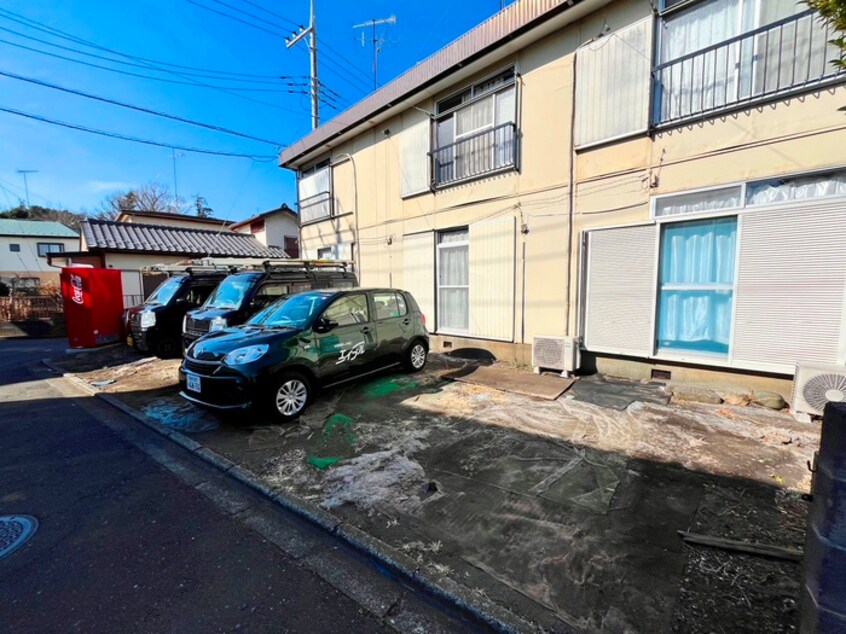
{"x": 192, "y": 382}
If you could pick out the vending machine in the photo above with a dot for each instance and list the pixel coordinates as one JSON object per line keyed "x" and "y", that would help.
{"x": 93, "y": 300}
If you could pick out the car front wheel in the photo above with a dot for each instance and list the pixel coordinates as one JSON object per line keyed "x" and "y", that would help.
{"x": 291, "y": 396}
{"x": 415, "y": 356}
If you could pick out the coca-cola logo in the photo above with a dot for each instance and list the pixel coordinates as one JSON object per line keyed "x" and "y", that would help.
{"x": 76, "y": 288}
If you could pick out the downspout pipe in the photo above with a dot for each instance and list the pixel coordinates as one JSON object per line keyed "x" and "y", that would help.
{"x": 572, "y": 203}
{"x": 357, "y": 245}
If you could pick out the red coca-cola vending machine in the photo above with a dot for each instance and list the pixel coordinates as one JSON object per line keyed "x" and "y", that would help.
{"x": 93, "y": 301}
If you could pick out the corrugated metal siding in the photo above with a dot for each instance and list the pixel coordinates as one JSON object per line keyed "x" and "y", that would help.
{"x": 498, "y": 28}
{"x": 419, "y": 271}
{"x": 612, "y": 84}
{"x": 791, "y": 279}
{"x": 621, "y": 290}
{"x": 492, "y": 279}
{"x": 414, "y": 156}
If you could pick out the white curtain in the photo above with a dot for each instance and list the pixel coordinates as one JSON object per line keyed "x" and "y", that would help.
{"x": 698, "y": 202}
{"x": 800, "y": 188}
{"x": 453, "y": 281}
{"x": 703, "y": 82}
{"x": 696, "y": 280}
{"x": 506, "y": 112}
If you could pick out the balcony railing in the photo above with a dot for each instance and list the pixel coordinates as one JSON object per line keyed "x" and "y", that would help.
{"x": 475, "y": 155}
{"x": 315, "y": 207}
{"x": 783, "y": 57}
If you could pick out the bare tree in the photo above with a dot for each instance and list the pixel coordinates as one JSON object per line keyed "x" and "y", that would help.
{"x": 150, "y": 197}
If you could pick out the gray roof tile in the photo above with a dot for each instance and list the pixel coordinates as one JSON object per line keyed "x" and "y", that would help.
{"x": 107, "y": 235}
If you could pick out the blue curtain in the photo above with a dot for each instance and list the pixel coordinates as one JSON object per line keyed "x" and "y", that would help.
{"x": 695, "y": 301}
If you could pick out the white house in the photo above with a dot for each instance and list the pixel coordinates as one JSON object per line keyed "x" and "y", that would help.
{"x": 275, "y": 228}
{"x": 24, "y": 245}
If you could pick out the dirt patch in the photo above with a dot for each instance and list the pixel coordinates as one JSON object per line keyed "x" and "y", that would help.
{"x": 731, "y": 592}
{"x": 562, "y": 510}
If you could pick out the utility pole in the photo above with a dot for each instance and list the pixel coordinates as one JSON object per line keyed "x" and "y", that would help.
{"x": 26, "y": 185}
{"x": 295, "y": 37}
{"x": 377, "y": 43}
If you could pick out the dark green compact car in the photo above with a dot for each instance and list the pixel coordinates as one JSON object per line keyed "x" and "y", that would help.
{"x": 286, "y": 352}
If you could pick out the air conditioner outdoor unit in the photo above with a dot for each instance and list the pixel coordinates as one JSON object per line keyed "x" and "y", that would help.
{"x": 555, "y": 353}
{"x": 816, "y": 385}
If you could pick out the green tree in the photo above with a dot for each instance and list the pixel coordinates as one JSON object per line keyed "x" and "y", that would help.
{"x": 202, "y": 208}
{"x": 834, "y": 12}
{"x": 36, "y": 212}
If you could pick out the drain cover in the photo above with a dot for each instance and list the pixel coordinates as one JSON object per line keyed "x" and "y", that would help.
{"x": 15, "y": 530}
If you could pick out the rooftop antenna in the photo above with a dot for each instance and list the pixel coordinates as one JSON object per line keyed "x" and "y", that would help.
{"x": 26, "y": 185}
{"x": 290, "y": 41}
{"x": 377, "y": 43}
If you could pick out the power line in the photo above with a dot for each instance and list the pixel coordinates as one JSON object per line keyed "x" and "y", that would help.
{"x": 122, "y": 137}
{"x": 139, "y": 75}
{"x": 206, "y": 73}
{"x": 232, "y": 17}
{"x": 320, "y": 41}
{"x": 343, "y": 67}
{"x": 64, "y": 35}
{"x": 156, "y": 113}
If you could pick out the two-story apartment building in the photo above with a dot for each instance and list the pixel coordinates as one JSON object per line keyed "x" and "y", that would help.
{"x": 663, "y": 182}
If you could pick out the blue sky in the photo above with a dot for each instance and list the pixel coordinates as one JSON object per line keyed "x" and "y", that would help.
{"x": 77, "y": 170}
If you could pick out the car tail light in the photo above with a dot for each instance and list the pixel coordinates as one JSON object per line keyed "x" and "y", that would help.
{"x": 423, "y": 318}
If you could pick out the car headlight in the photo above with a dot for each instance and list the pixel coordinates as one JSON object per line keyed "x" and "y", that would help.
{"x": 244, "y": 355}
{"x": 218, "y": 323}
{"x": 148, "y": 319}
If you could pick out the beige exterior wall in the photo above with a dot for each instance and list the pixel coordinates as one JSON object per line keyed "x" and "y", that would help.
{"x": 612, "y": 184}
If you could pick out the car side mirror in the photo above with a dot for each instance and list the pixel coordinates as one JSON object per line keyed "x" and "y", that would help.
{"x": 324, "y": 324}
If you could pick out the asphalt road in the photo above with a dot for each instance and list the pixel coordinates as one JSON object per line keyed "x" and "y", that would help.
{"x": 124, "y": 545}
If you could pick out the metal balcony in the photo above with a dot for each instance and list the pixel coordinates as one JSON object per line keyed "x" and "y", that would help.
{"x": 790, "y": 56}
{"x": 476, "y": 155}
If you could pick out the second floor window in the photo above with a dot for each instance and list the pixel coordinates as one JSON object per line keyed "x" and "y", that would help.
{"x": 475, "y": 130}
{"x": 49, "y": 247}
{"x": 314, "y": 193}
{"x": 714, "y": 54}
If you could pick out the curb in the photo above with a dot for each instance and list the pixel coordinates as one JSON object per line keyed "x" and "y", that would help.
{"x": 393, "y": 561}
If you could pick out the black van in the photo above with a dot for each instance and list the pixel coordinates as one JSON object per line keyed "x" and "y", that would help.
{"x": 156, "y": 325}
{"x": 243, "y": 294}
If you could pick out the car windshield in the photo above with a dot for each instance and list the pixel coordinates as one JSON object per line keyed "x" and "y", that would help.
{"x": 230, "y": 292}
{"x": 294, "y": 312}
{"x": 165, "y": 291}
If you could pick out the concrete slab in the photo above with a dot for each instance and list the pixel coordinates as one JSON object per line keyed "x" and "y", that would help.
{"x": 617, "y": 394}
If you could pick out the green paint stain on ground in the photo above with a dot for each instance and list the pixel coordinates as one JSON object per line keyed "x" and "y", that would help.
{"x": 322, "y": 463}
{"x": 387, "y": 386}
{"x": 340, "y": 424}
{"x": 336, "y": 440}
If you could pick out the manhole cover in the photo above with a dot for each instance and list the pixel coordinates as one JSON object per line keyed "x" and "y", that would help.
{"x": 15, "y": 530}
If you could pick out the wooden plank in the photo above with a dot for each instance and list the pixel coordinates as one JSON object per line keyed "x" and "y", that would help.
{"x": 750, "y": 548}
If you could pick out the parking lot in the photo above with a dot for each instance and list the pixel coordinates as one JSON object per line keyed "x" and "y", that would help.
{"x": 542, "y": 506}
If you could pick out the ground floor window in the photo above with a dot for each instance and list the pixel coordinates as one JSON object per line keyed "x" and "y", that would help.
{"x": 454, "y": 280}
{"x": 696, "y": 285}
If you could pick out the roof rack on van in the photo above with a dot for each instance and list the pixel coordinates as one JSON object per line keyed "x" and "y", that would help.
{"x": 190, "y": 269}
{"x": 287, "y": 264}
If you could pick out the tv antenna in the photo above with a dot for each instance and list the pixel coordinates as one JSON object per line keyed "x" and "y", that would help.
{"x": 377, "y": 42}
